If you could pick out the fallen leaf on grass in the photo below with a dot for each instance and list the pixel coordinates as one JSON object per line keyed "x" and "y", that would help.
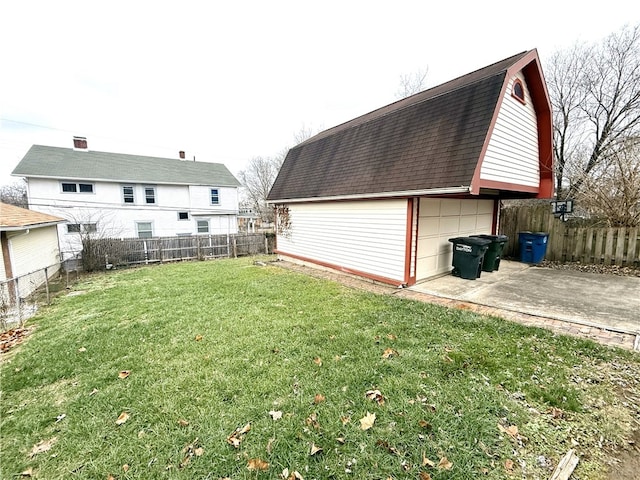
{"x": 367, "y": 421}
{"x": 43, "y": 446}
{"x": 317, "y": 361}
{"x": 237, "y": 435}
{"x": 391, "y": 336}
{"x": 183, "y": 423}
{"x": 124, "y": 374}
{"x": 294, "y": 475}
{"x": 511, "y": 430}
{"x": 445, "y": 464}
{"x": 426, "y": 462}
{"x": 257, "y": 464}
{"x": 27, "y": 473}
{"x": 319, "y": 398}
{"x": 508, "y": 465}
{"x": 198, "y": 338}
{"x": 390, "y": 352}
{"x": 345, "y": 419}
{"x": 199, "y": 451}
{"x": 111, "y": 477}
{"x": 375, "y": 396}
{"x": 125, "y": 467}
{"x": 312, "y": 421}
{"x": 82, "y": 349}
{"x": 93, "y": 392}
{"x": 425, "y": 476}
{"x": 124, "y": 416}
{"x": 424, "y": 424}
{"x": 314, "y": 449}
{"x": 341, "y": 440}
{"x": 275, "y": 414}
{"x": 270, "y": 445}
{"x": 384, "y": 444}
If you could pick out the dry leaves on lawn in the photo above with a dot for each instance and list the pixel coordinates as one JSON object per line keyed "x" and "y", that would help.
{"x": 445, "y": 464}
{"x": 426, "y": 462}
{"x": 257, "y": 464}
{"x": 511, "y": 430}
{"x": 237, "y": 435}
{"x": 124, "y": 373}
{"x": 367, "y": 421}
{"x": 198, "y": 338}
{"x": 183, "y": 423}
{"x": 314, "y": 449}
{"x": 375, "y": 396}
{"x": 312, "y": 421}
{"x": 390, "y": 352}
{"x": 42, "y": 446}
{"x": 124, "y": 416}
{"x": 317, "y": 361}
{"x": 319, "y": 398}
{"x": 425, "y": 476}
{"x": 275, "y": 414}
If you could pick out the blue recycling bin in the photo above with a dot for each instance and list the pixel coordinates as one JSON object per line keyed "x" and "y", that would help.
{"x": 533, "y": 246}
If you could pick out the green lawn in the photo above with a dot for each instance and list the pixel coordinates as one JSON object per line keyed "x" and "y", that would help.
{"x": 211, "y": 347}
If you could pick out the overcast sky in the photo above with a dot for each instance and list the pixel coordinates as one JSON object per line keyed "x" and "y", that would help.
{"x": 228, "y": 81}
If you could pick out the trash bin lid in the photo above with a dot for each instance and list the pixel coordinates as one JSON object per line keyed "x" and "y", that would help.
{"x": 470, "y": 241}
{"x": 493, "y": 238}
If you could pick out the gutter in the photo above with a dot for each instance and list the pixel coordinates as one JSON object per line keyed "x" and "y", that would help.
{"x": 359, "y": 196}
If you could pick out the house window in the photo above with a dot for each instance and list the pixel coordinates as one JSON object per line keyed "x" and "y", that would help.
{"x": 127, "y": 194}
{"x": 150, "y": 195}
{"x": 183, "y": 215}
{"x": 203, "y": 226}
{"x": 70, "y": 187}
{"x": 145, "y": 229}
{"x": 215, "y": 196}
{"x": 82, "y": 227}
{"x": 518, "y": 90}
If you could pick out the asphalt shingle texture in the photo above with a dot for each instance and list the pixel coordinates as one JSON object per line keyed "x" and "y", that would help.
{"x": 430, "y": 140}
{"x": 70, "y": 164}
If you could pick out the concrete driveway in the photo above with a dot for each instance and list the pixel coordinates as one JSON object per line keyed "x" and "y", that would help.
{"x": 608, "y": 302}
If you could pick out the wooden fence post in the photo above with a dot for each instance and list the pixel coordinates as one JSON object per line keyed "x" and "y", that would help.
{"x": 46, "y": 284}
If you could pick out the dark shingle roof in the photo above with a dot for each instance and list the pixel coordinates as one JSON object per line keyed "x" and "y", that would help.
{"x": 67, "y": 163}
{"x": 430, "y": 140}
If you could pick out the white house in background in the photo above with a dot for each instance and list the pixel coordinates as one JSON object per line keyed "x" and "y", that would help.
{"x": 123, "y": 196}
{"x": 29, "y": 244}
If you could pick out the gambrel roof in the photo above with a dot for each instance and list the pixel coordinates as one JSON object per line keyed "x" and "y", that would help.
{"x": 69, "y": 164}
{"x": 432, "y": 142}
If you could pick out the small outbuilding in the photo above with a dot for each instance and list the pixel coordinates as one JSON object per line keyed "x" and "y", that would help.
{"x": 379, "y": 196}
{"x": 29, "y": 242}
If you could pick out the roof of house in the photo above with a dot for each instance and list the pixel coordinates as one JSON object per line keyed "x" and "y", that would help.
{"x": 69, "y": 164}
{"x": 429, "y": 141}
{"x": 16, "y": 218}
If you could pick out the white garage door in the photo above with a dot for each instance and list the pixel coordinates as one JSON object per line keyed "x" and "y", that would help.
{"x": 441, "y": 219}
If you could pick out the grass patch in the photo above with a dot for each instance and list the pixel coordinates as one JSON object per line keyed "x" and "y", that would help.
{"x": 213, "y": 346}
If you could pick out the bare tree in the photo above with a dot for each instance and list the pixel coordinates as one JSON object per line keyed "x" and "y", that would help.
{"x": 595, "y": 93}
{"x": 257, "y": 179}
{"x": 411, "y": 83}
{"x": 611, "y": 193}
{"x": 15, "y": 194}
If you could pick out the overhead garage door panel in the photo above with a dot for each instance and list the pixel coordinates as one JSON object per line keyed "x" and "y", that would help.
{"x": 441, "y": 219}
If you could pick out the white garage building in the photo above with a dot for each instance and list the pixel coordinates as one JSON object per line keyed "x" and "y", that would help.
{"x": 379, "y": 196}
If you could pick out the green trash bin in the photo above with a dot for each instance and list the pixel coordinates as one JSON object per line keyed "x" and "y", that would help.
{"x": 468, "y": 253}
{"x": 492, "y": 257}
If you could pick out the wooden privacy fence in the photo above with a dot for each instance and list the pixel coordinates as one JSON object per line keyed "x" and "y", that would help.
{"x": 100, "y": 253}
{"x": 619, "y": 246}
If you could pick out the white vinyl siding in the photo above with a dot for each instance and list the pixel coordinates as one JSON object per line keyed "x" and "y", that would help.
{"x": 31, "y": 252}
{"x": 444, "y": 218}
{"x": 366, "y": 236}
{"x": 512, "y": 152}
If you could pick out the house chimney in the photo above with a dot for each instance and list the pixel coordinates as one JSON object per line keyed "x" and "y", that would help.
{"x": 80, "y": 143}
{"x": 181, "y": 153}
